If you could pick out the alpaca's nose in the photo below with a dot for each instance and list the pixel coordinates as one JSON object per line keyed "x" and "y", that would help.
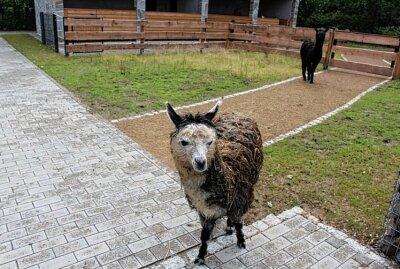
{"x": 200, "y": 163}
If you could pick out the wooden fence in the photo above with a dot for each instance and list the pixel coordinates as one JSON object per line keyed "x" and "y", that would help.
{"x": 99, "y": 34}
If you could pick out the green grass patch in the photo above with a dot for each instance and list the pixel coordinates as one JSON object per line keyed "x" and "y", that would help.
{"x": 118, "y": 85}
{"x": 344, "y": 170}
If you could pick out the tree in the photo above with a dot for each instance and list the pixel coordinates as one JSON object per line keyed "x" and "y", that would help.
{"x": 360, "y": 15}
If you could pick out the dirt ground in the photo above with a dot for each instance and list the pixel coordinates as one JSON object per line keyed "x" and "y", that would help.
{"x": 277, "y": 110}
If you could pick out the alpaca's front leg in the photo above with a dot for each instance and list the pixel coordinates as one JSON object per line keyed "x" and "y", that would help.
{"x": 240, "y": 235}
{"x": 229, "y": 226}
{"x": 208, "y": 226}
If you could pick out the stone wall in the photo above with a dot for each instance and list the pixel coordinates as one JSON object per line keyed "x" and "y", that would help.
{"x": 53, "y": 7}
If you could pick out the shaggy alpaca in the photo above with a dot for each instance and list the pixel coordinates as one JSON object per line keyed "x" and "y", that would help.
{"x": 311, "y": 54}
{"x": 219, "y": 162}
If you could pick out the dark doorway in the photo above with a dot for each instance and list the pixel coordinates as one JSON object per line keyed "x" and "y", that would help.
{"x": 173, "y": 6}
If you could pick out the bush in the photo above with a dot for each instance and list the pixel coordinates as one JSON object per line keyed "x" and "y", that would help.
{"x": 17, "y": 15}
{"x": 389, "y": 30}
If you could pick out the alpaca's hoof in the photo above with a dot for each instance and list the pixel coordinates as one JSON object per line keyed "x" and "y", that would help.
{"x": 229, "y": 231}
{"x": 241, "y": 244}
{"x": 199, "y": 261}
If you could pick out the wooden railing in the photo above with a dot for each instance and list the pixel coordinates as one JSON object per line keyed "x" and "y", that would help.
{"x": 116, "y": 34}
{"x": 343, "y": 37}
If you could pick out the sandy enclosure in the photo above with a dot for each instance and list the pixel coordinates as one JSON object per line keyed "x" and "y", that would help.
{"x": 277, "y": 110}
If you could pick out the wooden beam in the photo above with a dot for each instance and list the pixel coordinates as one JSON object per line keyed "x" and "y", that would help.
{"x": 102, "y": 36}
{"x": 373, "y": 54}
{"x": 83, "y": 48}
{"x": 367, "y": 68}
{"x": 396, "y": 69}
{"x": 367, "y": 38}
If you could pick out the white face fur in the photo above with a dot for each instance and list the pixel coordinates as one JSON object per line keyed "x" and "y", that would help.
{"x": 195, "y": 144}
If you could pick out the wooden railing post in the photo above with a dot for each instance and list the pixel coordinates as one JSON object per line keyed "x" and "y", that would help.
{"x": 396, "y": 49}
{"x": 329, "y": 49}
{"x": 42, "y": 28}
{"x": 396, "y": 70}
{"x": 55, "y": 32}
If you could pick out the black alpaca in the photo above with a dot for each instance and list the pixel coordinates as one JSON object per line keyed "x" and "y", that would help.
{"x": 311, "y": 54}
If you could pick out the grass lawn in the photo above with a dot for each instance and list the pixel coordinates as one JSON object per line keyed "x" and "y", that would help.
{"x": 118, "y": 85}
{"x": 343, "y": 170}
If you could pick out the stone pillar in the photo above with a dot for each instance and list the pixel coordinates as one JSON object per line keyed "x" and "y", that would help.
{"x": 204, "y": 10}
{"x": 254, "y": 5}
{"x": 140, "y": 9}
{"x": 295, "y": 11}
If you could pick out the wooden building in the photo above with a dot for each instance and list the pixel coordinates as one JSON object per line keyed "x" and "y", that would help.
{"x": 261, "y": 12}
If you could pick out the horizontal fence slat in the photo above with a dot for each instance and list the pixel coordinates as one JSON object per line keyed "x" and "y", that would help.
{"x": 256, "y": 48}
{"x": 374, "y": 54}
{"x": 367, "y": 38}
{"x": 100, "y": 22}
{"x": 102, "y": 36}
{"x": 367, "y": 68}
{"x": 109, "y": 36}
{"x": 100, "y": 47}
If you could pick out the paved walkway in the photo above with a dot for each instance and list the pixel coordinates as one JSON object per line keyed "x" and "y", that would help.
{"x": 77, "y": 193}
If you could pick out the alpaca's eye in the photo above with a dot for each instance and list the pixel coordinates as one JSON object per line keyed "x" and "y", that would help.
{"x": 209, "y": 143}
{"x": 184, "y": 143}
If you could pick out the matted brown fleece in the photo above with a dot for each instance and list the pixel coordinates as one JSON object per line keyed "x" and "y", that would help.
{"x": 276, "y": 110}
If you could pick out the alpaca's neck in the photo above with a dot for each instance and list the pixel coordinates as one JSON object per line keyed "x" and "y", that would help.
{"x": 319, "y": 43}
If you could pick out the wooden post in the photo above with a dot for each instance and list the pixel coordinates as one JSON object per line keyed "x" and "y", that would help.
{"x": 396, "y": 49}
{"x": 55, "y": 30}
{"x": 329, "y": 49}
{"x": 42, "y": 28}
{"x": 396, "y": 70}
{"x": 65, "y": 41}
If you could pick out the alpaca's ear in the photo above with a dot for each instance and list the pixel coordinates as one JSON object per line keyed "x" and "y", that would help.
{"x": 173, "y": 116}
{"x": 211, "y": 114}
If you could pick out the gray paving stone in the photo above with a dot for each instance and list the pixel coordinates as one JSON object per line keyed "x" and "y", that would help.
{"x": 326, "y": 263}
{"x": 321, "y": 250}
{"x": 113, "y": 255}
{"x": 232, "y": 264}
{"x": 70, "y": 247}
{"x": 299, "y": 247}
{"x": 35, "y": 259}
{"x": 278, "y": 259}
{"x": 129, "y": 263}
{"x": 336, "y": 242}
{"x": 229, "y": 253}
{"x": 318, "y": 236}
{"x": 145, "y": 257}
{"x": 276, "y": 244}
{"x": 295, "y": 234}
{"x": 301, "y": 262}
{"x": 343, "y": 253}
{"x": 362, "y": 259}
{"x": 91, "y": 251}
{"x": 253, "y": 256}
{"x": 276, "y": 231}
{"x": 351, "y": 264}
